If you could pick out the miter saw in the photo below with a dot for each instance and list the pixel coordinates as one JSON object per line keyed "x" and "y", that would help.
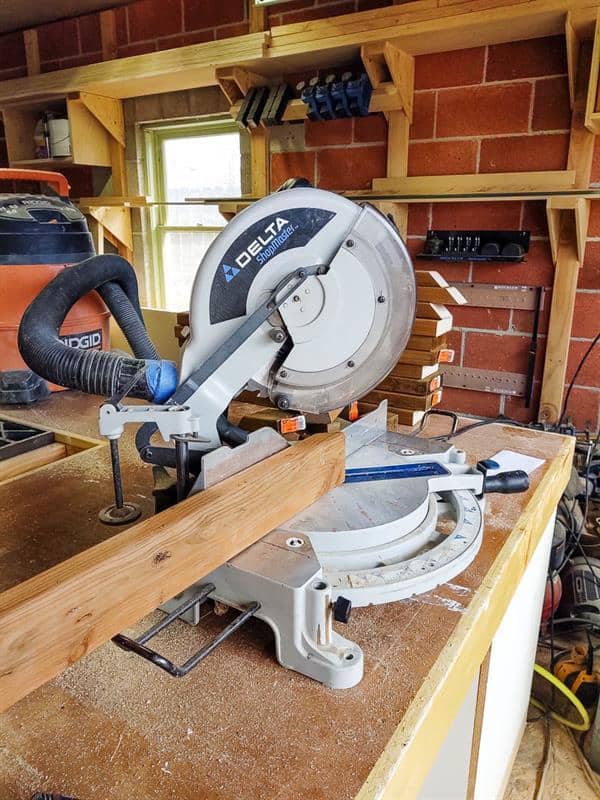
{"x": 309, "y": 299}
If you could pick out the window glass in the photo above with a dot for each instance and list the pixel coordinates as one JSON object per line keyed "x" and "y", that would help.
{"x": 201, "y": 160}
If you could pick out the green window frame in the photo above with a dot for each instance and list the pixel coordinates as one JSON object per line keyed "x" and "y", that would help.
{"x": 160, "y": 226}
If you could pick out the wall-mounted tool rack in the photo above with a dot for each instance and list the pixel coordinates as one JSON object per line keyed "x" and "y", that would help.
{"x": 499, "y": 246}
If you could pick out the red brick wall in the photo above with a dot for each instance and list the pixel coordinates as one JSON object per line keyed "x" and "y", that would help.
{"x": 496, "y": 109}
{"x": 488, "y": 109}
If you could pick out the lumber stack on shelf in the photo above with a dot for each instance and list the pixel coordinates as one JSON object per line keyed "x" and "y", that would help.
{"x": 415, "y": 383}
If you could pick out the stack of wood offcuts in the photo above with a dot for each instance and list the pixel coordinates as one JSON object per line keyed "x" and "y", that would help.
{"x": 415, "y": 384}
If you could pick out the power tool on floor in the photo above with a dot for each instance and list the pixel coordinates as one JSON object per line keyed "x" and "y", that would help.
{"x": 575, "y": 668}
{"x": 309, "y": 299}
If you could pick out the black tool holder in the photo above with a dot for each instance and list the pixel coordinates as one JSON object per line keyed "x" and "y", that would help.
{"x": 138, "y": 646}
{"x": 507, "y": 246}
{"x": 336, "y": 97}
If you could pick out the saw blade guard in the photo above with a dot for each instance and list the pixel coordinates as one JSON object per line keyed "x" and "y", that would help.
{"x": 345, "y": 328}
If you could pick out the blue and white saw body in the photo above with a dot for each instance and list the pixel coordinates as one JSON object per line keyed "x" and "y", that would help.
{"x": 343, "y": 329}
{"x": 305, "y": 297}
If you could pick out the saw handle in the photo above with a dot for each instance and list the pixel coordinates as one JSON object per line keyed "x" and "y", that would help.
{"x": 506, "y": 482}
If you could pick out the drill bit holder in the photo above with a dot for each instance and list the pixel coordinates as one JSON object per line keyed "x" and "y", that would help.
{"x": 502, "y": 246}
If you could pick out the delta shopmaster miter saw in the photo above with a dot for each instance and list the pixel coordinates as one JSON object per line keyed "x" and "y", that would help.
{"x": 309, "y": 299}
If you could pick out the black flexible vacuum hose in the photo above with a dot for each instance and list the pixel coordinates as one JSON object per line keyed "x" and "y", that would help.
{"x": 93, "y": 371}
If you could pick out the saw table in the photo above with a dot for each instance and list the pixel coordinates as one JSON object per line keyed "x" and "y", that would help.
{"x": 437, "y": 706}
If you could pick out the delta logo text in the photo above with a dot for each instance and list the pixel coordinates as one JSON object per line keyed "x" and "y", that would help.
{"x": 263, "y": 247}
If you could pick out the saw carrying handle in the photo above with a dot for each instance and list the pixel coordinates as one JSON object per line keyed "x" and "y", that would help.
{"x": 138, "y": 646}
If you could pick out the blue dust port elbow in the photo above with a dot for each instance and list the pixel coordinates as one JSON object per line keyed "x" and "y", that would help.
{"x": 161, "y": 378}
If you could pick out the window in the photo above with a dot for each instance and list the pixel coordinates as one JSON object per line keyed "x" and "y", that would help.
{"x": 193, "y": 160}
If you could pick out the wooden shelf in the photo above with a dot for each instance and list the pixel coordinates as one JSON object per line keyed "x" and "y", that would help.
{"x": 55, "y": 164}
{"x": 90, "y": 140}
{"x": 415, "y": 27}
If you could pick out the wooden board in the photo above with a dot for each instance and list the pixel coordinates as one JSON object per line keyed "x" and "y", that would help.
{"x": 394, "y": 383}
{"x": 405, "y": 402}
{"x": 432, "y": 327}
{"x": 568, "y": 247}
{"x": 432, "y": 311}
{"x": 26, "y": 462}
{"x": 429, "y": 278}
{"x": 57, "y": 617}
{"x": 429, "y": 343}
{"x": 443, "y": 295}
{"x": 501, "y": 182}
{"x": 426, "y": 357}
{"x": 415, "y": 371}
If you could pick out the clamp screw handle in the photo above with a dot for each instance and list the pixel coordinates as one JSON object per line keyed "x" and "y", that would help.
{"x": 342, "y": 608}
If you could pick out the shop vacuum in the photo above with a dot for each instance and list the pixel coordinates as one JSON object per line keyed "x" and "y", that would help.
{"x": 40, "y": 235}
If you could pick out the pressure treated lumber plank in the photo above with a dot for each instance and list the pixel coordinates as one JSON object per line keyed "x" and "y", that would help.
{"x": 55, "y": 618}
{"x": 24, "y": 463}
{"x": 260, "y": 161}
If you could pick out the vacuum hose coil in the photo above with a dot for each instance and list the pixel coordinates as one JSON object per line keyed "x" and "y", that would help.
{"x": 95, "y": 371}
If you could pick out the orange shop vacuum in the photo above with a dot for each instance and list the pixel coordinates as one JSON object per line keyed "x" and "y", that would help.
{"x": 40, "y": 235}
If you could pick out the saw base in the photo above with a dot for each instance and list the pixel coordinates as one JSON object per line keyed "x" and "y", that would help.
{"x": 423, "y": 532}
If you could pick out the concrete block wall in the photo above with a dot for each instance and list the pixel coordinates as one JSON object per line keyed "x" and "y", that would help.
{"x": 486, "y": 109}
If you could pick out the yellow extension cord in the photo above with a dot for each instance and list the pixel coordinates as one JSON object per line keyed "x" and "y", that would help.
{"x": 584, "y": 725}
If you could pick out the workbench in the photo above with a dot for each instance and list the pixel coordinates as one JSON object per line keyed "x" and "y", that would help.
{"x": 433, "y": 703}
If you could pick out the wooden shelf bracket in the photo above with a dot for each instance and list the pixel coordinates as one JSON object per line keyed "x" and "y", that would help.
{"x": 592, "y": 110}
{"x": 385, "y": 62}
{"x": 557, "y": 211}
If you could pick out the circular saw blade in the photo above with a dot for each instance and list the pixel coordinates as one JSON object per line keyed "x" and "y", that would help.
{"x": 350, "y": 326}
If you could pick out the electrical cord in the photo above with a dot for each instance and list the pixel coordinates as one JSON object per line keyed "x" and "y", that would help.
{"x": 574, "y": 378}
{"x": 500, "y": 419}
{"x": 584, "y": 725}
